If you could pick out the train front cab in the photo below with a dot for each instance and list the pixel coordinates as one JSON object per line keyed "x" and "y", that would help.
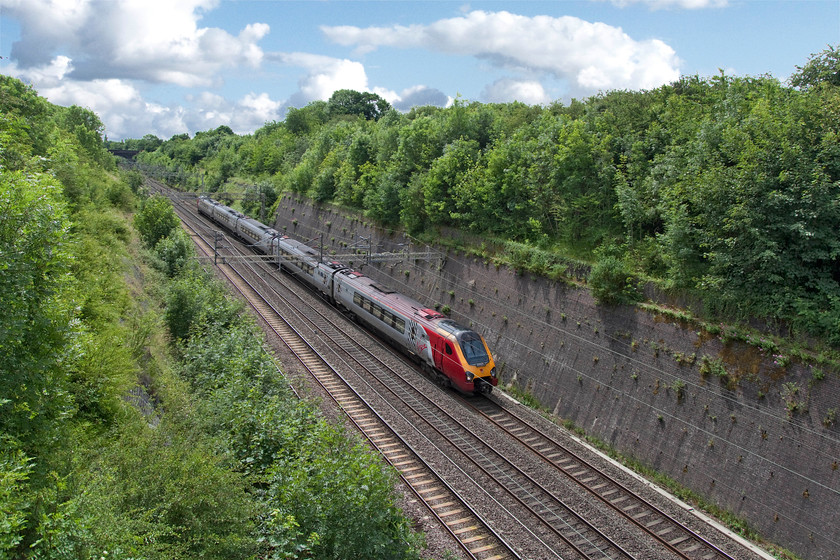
{"x": 463, "y": 357}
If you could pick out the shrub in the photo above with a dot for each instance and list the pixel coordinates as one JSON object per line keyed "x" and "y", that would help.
{"x": 612, "y": 282}
{"x": 172, "y": 253}
{"x": 193, "y": 305}
{"x": 156, "y": 220}
{"x": 165, "y": 493}
{"x": 14, "y": 471}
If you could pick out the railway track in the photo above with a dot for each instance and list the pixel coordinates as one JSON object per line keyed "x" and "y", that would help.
{"x": 660, "y": 526}
{"x": 544, "y": 516}
{"x": 476, "y": 539}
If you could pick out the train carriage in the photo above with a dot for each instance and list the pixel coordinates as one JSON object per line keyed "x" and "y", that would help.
{"x": 220, "y": 213}
{"x": 262, "y": 237}
{"x": 457, "y": 354}
{"x": 301, "y": 261}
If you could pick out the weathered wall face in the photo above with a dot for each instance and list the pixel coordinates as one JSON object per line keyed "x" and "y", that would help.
{"x": 764, "y": 445}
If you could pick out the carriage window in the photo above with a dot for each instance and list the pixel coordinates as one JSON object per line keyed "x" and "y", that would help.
{"x": 448, "y": 349}
{"x": 387, "y": 317}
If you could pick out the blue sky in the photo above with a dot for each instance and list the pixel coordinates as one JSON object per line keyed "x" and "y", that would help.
{"x": 165, "y": 67}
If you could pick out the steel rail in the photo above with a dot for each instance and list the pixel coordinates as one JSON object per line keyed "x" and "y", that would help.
{"x": 467, "y": 529}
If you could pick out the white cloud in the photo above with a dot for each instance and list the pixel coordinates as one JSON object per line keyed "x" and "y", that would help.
{"x": 126, "y": 114}
{"x": 324, "y": 75}
{"x": 152, "y": 40}
{"x": 116, "y": 56}
{"x": 98, "y": 53}
{"x": 117, "y": 102}
{"x": 506, "y": 90}
{"x": 590, "y": 56}
{"x": 417, "y": 96}
{"x": 47, "y": 74}
{"x": 254, "y": 110}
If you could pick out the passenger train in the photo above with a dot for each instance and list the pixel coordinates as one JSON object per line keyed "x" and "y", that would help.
{"x": 456, "y": 354}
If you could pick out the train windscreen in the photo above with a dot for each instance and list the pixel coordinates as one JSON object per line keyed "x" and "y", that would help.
{"x": 473, "y": 348}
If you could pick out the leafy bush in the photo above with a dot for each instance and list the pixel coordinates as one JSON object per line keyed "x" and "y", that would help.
{"x": 134, "y": 180}
{"x": 612, "y": 282}
{"x": 193, "y": 305}
{"x": 156, "y": 220}
{"x": 173, "y": 253}
{"x": 14, "y": 471}
{"x": 164, "y": 493}
{"x": 36, "y": 293}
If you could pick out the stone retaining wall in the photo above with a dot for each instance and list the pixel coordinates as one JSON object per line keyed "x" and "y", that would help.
{"x": 762, "y": 442}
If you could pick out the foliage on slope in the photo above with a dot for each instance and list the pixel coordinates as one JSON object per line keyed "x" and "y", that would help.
{"x": 725, "y": 187}
{"x": 115, "y": 442}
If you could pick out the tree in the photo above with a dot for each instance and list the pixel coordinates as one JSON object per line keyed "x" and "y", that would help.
{"x": 307, "y": 119}
{"x": 350, "y": 102}
{"x": 444, "y": 174}
{"x": 149, "y": 143}
{"x": 88, "y": 130}
{"x": 821, "y": 68}
{"x": 33, "y": 285}
{"x": 28, "y": 119}
{"x": 155, "y": 220}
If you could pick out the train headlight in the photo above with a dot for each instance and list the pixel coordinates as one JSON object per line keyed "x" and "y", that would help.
{"x": 470, "y": 375}
{"x": 493, "y": 372}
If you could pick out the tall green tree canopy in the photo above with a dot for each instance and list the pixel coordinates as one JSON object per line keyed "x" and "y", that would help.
{"x": 821, "y": 68}
{"x": 724, "y": 186}
{"x": 363, "y": 104}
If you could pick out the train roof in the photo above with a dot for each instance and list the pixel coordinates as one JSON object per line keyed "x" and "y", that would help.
{"x": 260, "y": 226}
{"x": 301, "y": 247}
{"x": 227, "y": 209}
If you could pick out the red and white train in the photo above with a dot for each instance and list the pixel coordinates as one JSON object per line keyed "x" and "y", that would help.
{"x": 457, "y": 354}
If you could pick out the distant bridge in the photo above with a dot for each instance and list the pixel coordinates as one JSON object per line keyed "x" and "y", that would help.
{"x": 127, "y": 154}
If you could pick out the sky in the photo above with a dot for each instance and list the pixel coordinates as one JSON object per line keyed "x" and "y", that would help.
{"x": 167, "y": 67}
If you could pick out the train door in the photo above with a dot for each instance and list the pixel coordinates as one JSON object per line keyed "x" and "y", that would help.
{"x": 450, "y": 359}
{"x": 444, "y": 355}
{"x": 437, "y": 352}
